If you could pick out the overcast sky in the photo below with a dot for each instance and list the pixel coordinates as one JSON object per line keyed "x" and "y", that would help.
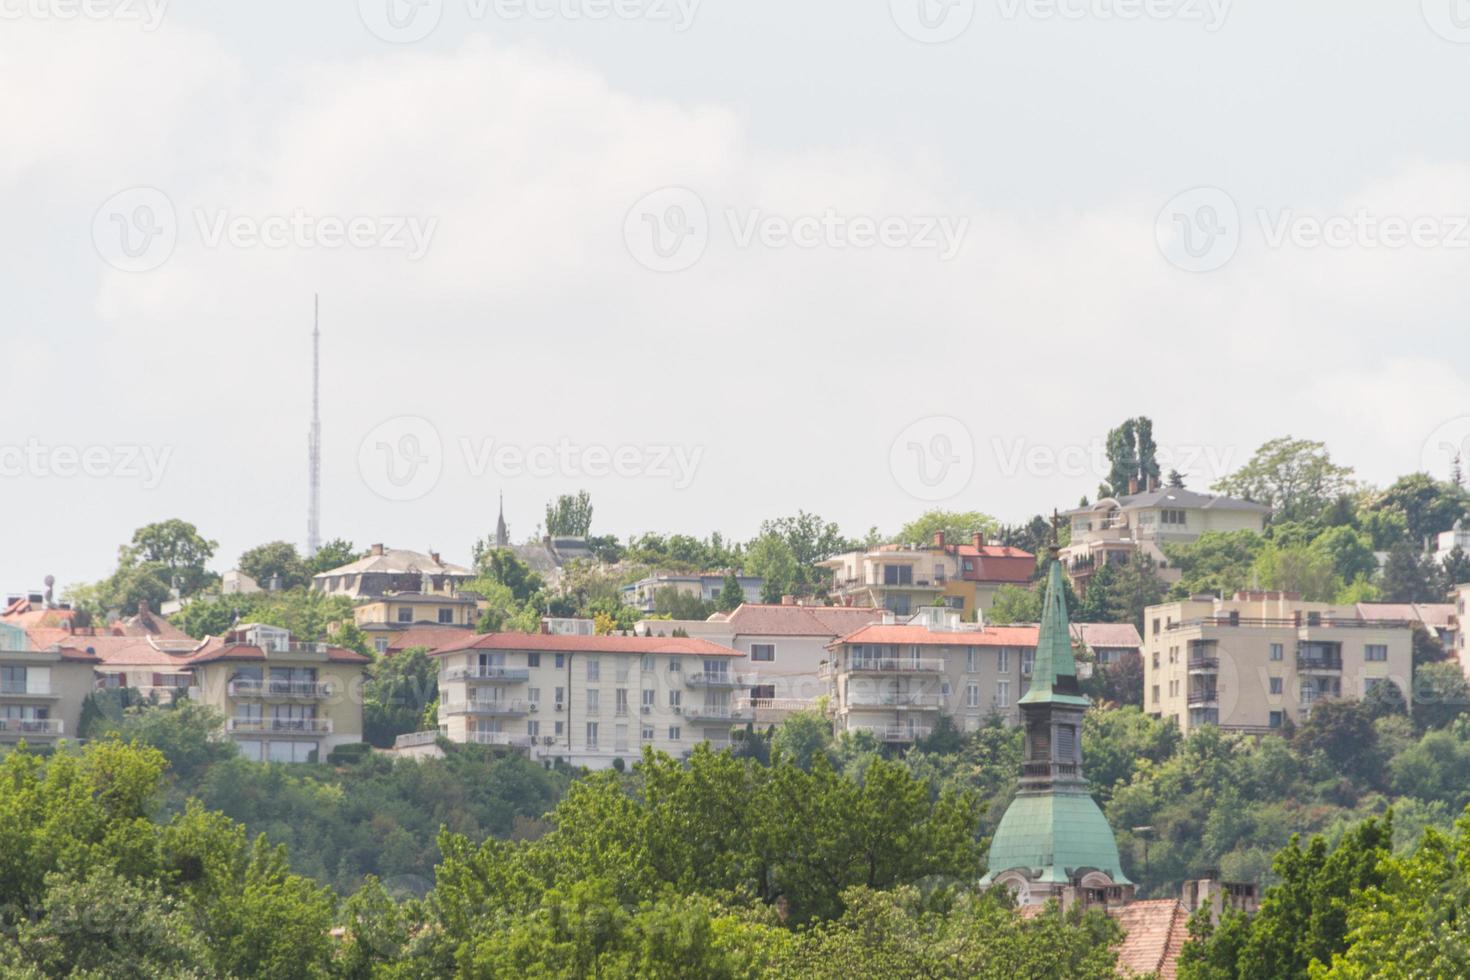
{"x": 713, "y": 261}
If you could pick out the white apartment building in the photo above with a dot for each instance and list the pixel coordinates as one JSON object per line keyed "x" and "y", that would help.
{"x": 895, "y": 680}
{"x": 590, "y": 700}
{"x": 1256, "y": 661}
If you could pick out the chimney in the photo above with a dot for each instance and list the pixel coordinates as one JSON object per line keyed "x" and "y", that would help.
{"x": 788, "y": 600}
{"x": 435, "y": 555}
{"x": 1153, "y": 483}
{"x": 377, "y": 551}
{"x": 939, "y": 539}
{"x": 978, "y": 539}
{"x": 1132, "y": 485}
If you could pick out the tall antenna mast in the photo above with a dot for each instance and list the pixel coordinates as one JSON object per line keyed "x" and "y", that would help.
{"x": 314, "y": 439}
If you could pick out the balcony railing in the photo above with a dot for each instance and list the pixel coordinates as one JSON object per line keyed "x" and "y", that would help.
{"x": 716, "y": 712}
{"x": 1290, "y": 622}
{"x": 303, "y": 690}
{"x": 901, "y": 733}
{"x": 30, "y": 726}
{"x": 30, "y": 690}
{"x": 1331, "y": 662}
{"x": 493, "y": 675}
{"x": 1034, "y": 770}
{"x": 859, "y": 699}
{"x": 488, "y": 707}
{"x": 270, "y": 726}
{"x": 718, "y": 679}
{"x": 775, "y": 704}
{"x": 1205, "y": 664}
{"x": 416, "y": 739}
{"x": 1204, "y": 697}
{"x": 499, "y": 738}
{"x": 897, "y": 665}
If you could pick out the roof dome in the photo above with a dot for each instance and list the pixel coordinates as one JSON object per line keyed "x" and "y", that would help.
{"x": 1051, "y": 837}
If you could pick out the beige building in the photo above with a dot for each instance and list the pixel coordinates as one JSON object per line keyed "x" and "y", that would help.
{"x": 1256, "y": 661}
{"x": 904, "y": 578}
{"x": 41, "y": 691}
{"x": 1115, "y": 528}
{"x": 386, "y": 571}
{"x": 589, "y": 700}
{"x": 895, "y": 680}
{"x": 784, "y": 645}
{"x": 404, "y": 609}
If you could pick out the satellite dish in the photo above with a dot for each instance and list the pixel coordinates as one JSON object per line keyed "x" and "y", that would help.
{"x": 49, "y": 580}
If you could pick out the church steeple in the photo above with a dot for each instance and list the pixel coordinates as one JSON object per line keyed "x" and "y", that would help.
{"x": 1053, "y": 838}
{"x": 502, "y": 536}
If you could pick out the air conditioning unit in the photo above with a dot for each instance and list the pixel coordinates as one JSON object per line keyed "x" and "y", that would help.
{"x": 677, "y": 709}
{"x": 548, "y": 740}
{"x": 534, "y": 706}
{"x": 560, "y": 706}
{"x": 648, "y": 709}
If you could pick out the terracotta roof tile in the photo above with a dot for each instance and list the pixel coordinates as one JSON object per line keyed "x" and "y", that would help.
{"x": 770, "y": 620}
{"x": 673, "y": 646}
{"x": 1155, "y": 931}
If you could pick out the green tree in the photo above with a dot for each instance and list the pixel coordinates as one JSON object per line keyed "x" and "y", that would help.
{"x": 397, "y": 691}
{"x": 1297, "y": 568}
{"x": 771, "y": 558}
{"x": 276, "y": 565}
{"x": 1296, "y": 478}
{"x": 957, "y": 526}
{"x": 570, "y": 516}
{"x": 176, "y": 549}
{"x": 1428, "y": 506}
{"x": 1409, "y": 576}
{"x": 732, "y": 596}
{"x": 1216, "y": 563}
{"x": 331, "y": 555}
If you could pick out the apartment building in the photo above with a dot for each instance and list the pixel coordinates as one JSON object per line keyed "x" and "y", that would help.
{"x": 906, "y": 578}
{"x": 590, "y": 700}
{"x": 784, "y": 646}
{"x": 389, "y": 571}
{"x": 895, "y": 680}
{"x": 405, "y": 609}
{"x": 1260, "y": 659}
{"x": 1114, "y": 529}
{"x": 41, "y": 691}
{"x": 643, "y": 594}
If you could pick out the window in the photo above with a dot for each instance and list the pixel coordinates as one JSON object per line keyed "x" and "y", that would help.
{"x": 533, "y": 660}
{"x": 674, "y": 665}
{"x": 1277, "y": 652}
{"x": 446, "y": 616}
{"x": 380, "y": 645}
{"x": 1277, "y": 685}
{"x": 1028, "y": 660}
{"x": 972, "y": 695}
{"x": 533, "y": 728}
{"x": 594, "y": 700}
{"x": 763, "y": 652}
{"x": 1156, "y": 692}
{"x": 648, "y": 661}
{"x": 561, "y": 661}
{"x": 592, "y": 734}
{"x": 1156, "y": 660}
{"x": 673, "y": 733}
{"x": 620, "y": 738}
{"x": 594, "y": 669}
{"x": 970, "y": 660}
{"x": 1176, "y": 517}
{"x": 1003, "y": 660}
{"x": 405, "y": 615}
{"x": 560, "y": 729}
{"x": 898, "y": 574}
{"x": 1376, "y": 653}
{"x": 1003, "y": 694}
{"x": 944, "y": 687}
{"x": 647, "y": 733}
{"x": 1156, "y": 627}
{"x": 1277, "y": 719}
{"x": 649, "y": 699}
{"x": 620, "y": 701}
{"x": 674, "y": 697}
{"x": 561, "y": 697}
{"x": 533, "y": 695}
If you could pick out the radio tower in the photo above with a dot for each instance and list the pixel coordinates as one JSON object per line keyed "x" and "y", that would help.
{"x": 314, "y": 438}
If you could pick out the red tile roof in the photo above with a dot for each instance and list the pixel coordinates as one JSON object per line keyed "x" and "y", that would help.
{"x": 673, "y": 646}
{"x": 991, "y": 551}
{"x": 145, "y": 651}
{"x": 991, "y": 636}
{"x": 771, "y": 620}
{"x": 1154, "y": 933}
{"x": 430, "y": 637}
{"x": 243, "y": 651}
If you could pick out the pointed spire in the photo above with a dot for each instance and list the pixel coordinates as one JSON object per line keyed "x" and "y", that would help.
{"x": 1054, "y": 672}
{"x": 502, "y": 535}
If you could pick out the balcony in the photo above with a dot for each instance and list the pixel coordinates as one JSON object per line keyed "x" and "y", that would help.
{"x": 889, "y": 699}
{"x": 279, "y": 726}
{"x": 718, "y": 679}
{"x": 897, "y": 665}
{"x": 489, "y": 708}
{"x": 1319, "y": 662}
{"x": 1204, "y": 665}
{"x": 45, "y": 727}
{"x": 490, "y": 675}
{"x": 283, "y": 690}
{"x": 1206, "y": 697}
{"x": 29, "y": 690}
{"x": 901, "y": 733}
{"x": 413, "y": 740}
{"x": 717, "y": 712}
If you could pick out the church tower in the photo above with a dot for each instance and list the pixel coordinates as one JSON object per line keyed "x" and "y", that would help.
{"x": 1053, "y": 841}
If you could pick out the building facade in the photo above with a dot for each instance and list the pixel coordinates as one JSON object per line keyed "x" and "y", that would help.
{"x": 388, "y": 571}
{"x": 1259, "y": 660}
{"x": 906, "y": 578}
{"x": 590, "y": 700}
{"x": 1115, "y": 529}
{"x": 41, "y": 691}
{"x": 643, "y": 594}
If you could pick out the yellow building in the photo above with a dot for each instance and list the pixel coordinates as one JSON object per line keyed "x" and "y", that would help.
{"x": 41, "y": 691}
{"x": 1262, "y": 659}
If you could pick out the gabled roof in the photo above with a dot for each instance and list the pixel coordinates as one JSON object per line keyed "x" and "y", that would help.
{"x": 555, "y": 643}
{"x": 1154, "y": 933}
{"x": 991, "y": 636}
{"x": 397, "y": 561}
{"x": 752, "y": 619}
{"x": 430, "y": 636}
{"x": 1174, "y": 497}
{"x": 1107, "y": 635}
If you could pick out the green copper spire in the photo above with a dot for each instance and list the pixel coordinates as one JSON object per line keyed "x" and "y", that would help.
{"x": 1054, "y": 672}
